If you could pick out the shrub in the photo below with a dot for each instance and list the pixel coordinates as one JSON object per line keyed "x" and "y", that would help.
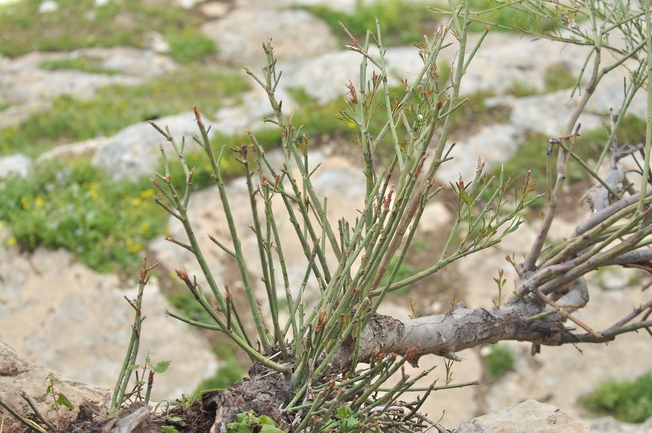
{"x": 189, "y": 46}
{"x": 498, "y": 362}
{"x": 627, "y": 401}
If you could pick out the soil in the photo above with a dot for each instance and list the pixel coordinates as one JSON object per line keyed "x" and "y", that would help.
{"x": 263, "y": 392}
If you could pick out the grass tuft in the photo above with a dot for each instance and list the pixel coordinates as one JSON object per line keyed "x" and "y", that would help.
{"x": 627, "y": 401}
{"x": 79, "y": 64}
{"x": 403, "y": 22}
{"x": 116, "y": 107}
{"x": 80, "y": 24}
{"x": 75, "y": 206}
{"x": 498, "y": 363}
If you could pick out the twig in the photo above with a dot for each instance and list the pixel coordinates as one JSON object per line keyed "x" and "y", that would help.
{"x": 562, "y": 162}
{"x": 31, "y": 404}
{"x": 635, "y": 312}
{"x": 29, "y": 423}
{"x": 561, "y": 311}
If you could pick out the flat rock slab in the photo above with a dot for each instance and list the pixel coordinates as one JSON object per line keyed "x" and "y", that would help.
{"x": 529, "y": 416}
{"x": 29, "y": 88}
{"x": 57, "y": 312}
{"x": 296, "y": 34}
{"x": 18, "y": 375}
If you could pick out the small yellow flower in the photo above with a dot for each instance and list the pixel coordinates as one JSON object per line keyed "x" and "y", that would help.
{"x": 25, "y": 202}
{"x": 136, "y": 202}
{"x": 39, "y": 202}
{"x": 133, "y": 247}
{"x": 147, "y": 193}
{"x": 144, "y": 228}
{"x": 12, "y": 241}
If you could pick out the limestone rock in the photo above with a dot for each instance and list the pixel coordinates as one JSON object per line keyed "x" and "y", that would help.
{"x": 85, "y": 148}
{"x": 18, "y": 164}
{"x": 609, "y": 425}
{"x": 57, "y": 312}
{"x": 560, "y": 375}
{"x": 296, "y": 34}
{"x": 214, "y": 9}
{"x": 529, "y": 416}
{"x": 135, "y": 151}
{"x": 491, "y": 144}
{"x": 504, "y": 60}
{"x": 27, "y": 86}
{"x": 18, "y": 375}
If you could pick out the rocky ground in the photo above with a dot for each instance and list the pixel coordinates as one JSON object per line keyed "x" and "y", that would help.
{"x": 60, "y": 314}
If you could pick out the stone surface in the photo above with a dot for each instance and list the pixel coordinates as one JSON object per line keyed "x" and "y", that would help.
{"x": 295, "y": 33}
{"x": 214, "y": 9}
{"x": 435, "y": 216}
{"x": 18, "y": 375}
{"x": 135, "y": 150}
{"x": 505, "y": 60}
{"x": 490, "y": 145}
{"x": 28, "y": 88}
{"x": 56, "y": 312}
{"x": 609, "y": 425}
{"x": 529, "y": 416}
{"x": 17, "y": 164}
{"x": 85, "y": 148}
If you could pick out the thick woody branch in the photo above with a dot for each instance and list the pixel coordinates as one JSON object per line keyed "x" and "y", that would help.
{"x": 525, "y": 319}
{"x": 460, "y": 329}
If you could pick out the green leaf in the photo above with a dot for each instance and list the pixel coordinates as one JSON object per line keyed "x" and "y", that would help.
{"x": 237, "y": 427}
{"x": 350, "y": 423}
{"x": 343, "y": 412}
{"x": 160, "y": 367}
{"x": 168, "y": 429}
{"x": 62, "y": 399}
{"x": 176, "y": 420}
{"x": 270, "y": 429}
{"x": 52, "y": 379}
{"x": 265, "y": 420}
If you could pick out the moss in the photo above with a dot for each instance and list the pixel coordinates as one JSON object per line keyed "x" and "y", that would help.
{"x": 189, "y": 46}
